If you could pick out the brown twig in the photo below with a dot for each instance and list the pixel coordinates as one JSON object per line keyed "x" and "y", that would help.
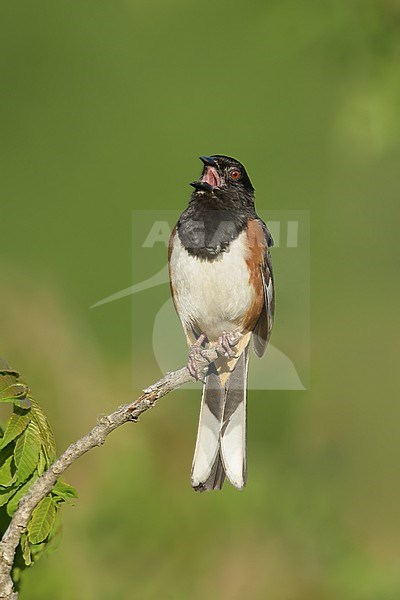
{"x": 95, "y": 437}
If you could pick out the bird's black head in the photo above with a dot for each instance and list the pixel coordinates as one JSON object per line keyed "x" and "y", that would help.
{"x": 224, "y": 179}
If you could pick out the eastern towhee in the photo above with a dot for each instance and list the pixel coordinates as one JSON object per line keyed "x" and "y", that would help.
{"x": 223, "y": 290}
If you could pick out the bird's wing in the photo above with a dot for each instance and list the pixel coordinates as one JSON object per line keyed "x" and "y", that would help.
{"x": 262, "y": 330}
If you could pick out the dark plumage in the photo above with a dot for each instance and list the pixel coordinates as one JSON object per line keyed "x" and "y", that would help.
{"x": 216, "y": 216}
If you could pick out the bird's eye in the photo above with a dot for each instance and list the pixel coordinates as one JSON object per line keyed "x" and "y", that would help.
{"x": 235, "y": 174}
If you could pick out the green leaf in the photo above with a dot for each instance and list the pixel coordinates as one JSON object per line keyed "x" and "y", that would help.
{"x": 7, "y": 378}
{"x": 5, "y": 495}
{"x": 42, "y": 464}
{"x": 64, "y": 491}
{"x": 18, "y": 494}
{"x": 26, "y": 552}
{"x": 26, "y": 452}
{"x": 9, "y": 371}
{"x": 15, "y": 426}
{"x": 7, "y": 476}
{"x": 41, "y": 521}
{"x": 46, "y": 432}
{"x": 13, "y": 392}
{"x": 5, "y": 455}
{"x": 22, "y": 403}
{"x": 54, "y": 539}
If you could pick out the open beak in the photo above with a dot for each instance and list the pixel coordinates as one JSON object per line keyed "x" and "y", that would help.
{"x": 209, "y": 161}
{"x": 210, "y": 178}
{"x": 202, "y": 186}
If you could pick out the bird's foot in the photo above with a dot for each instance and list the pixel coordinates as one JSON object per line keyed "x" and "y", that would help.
{"x": 195, "y": 357}
{"x": 226, "y": 343}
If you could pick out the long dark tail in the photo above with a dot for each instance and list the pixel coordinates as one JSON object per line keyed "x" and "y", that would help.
{"x": 221, "y": 438}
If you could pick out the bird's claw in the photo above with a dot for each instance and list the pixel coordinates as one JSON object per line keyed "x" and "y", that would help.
{"x": 193, "y": 362}
{"x": 195, "y": 357}
{"x": 226, "y": 343}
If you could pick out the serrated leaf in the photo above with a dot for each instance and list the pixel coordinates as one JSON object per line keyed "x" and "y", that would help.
{"x": 64, "y": 491}
{"x": 13, "y": 392}
{"x": 7, "y": 378}
{"x": 9, "y": 371}
{"x": 18, "y": 494}
{"x": 42, "y": 520}
{"x": 16, "y": 425}
{"x": 26, "y": 452}
{"x": 7, "y": 472}
{"x": 5, "y": 495}
{"x": 24, "y": 403}
{"x": 26, "y": 552}
{"x": 46, "y": 433}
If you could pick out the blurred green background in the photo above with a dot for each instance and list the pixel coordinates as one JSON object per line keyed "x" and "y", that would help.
{"x": 105, "y": 107}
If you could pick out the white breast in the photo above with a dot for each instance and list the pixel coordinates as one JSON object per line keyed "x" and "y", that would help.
{"x": 211, "y": 295}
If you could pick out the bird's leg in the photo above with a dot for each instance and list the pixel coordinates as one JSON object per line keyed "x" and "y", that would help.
{"x": 226, "y": 343}
{"x": 194, "y": 353}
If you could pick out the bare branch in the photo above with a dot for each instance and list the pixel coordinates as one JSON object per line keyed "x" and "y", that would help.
{"x": 96, "y": 437}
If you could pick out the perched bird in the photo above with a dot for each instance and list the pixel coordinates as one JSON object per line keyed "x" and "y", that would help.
{"x": 223, "y": 291}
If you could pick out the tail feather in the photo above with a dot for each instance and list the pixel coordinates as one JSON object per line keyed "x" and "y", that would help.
{"x": 233, "y": 431}
{"x": 221, "y": 438}
{"x": 206, "y": 472}
{"x": 215, "y": 480}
